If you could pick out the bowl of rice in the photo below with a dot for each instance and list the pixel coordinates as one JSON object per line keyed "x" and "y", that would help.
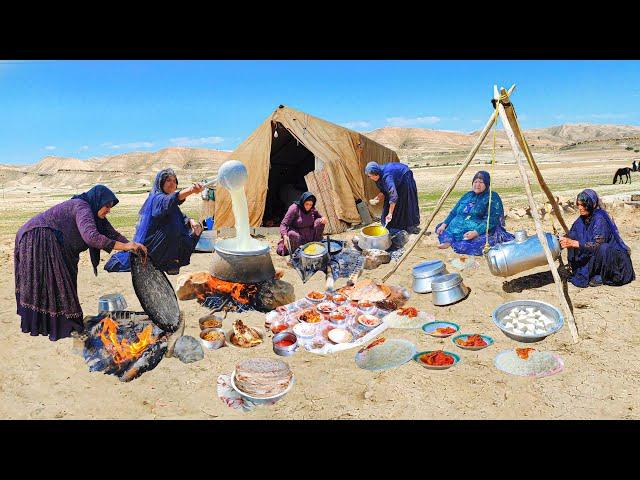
{"x": 528, "y": 362}
{"x": 527, "y": 320}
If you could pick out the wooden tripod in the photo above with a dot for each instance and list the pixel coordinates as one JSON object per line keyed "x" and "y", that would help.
{"x": 505, "y": 110}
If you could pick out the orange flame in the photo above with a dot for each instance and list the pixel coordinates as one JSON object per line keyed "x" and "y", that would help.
{"x": 241, "y": 292}
{"x": 124, "y": 351}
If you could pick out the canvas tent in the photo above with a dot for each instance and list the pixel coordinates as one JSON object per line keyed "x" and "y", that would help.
{"x": 291, "y": 145}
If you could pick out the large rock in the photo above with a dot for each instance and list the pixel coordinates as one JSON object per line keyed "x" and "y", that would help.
{"x": 188, "y": 286}
{"x": 373, "y": 258}
{"x": 274, "y": 294}
{"x": 188, "y": 349}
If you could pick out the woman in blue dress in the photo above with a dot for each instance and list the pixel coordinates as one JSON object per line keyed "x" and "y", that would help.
{"x": 597, "y": 255}
{"x": 465, "y": 229}
{"x": 169, "y": 235}
{"x": 398, "y": 188}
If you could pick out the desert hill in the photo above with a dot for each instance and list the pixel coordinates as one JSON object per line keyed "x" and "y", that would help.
{"x": 417, "y": 146}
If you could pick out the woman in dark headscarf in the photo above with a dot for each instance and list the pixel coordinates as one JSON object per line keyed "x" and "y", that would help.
{"x": 597, "y": 254}
{"x": 465, "y": 228}
{"x": 170, "y": 236}
{"x": 46, "y": 256}
{"x": 301, "y": 224}
{"x": 398, "y": 189}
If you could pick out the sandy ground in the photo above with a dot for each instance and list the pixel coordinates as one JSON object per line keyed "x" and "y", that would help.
{"x": 44, "y": 380}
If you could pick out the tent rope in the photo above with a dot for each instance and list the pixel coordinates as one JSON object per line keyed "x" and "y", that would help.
{"x": 493, "y": 163}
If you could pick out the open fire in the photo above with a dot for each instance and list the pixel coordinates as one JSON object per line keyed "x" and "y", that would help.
{"x": 126, "y": 348}
{"x": 242, "y": 293}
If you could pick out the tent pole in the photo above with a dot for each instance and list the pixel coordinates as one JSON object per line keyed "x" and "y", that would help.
{"x": 534, "y": 211}
{"x": 483, "y": 134}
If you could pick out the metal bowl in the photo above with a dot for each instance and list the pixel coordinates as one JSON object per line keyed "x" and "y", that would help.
{"x": 212, "y": 344}
{"x": 113, "y": 302}
{"x": 448, "y": 289}
{"x": 285, "y": 351}
{"x": 208, "y": 318}
{"x": 549, "y": 310}
{"x": 260, "y": 400}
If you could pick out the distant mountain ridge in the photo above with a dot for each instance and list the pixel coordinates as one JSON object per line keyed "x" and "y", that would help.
{"x": 137, "y": 169}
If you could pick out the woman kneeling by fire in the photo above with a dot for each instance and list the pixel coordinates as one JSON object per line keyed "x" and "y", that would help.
{"x": 46, "y": 256}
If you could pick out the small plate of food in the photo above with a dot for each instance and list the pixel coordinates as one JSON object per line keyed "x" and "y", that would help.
{"x": 440, "y": 329}
{"x": 337, "y": 318}
{"x": 366, "y": 306}
{"x": 325, "y": 308}
{"x": 309, "y": 315}
{"x": 436, "y": 359}
{"x": 339, "y": 298}
{"x": 468, "y": 341}
{"x": 340, "y": 335}
{"x": 315, "y": 297}
{"x": 348, "y": 310}
{"x": 305, "y": 330}
{"x": 369, "y": 321}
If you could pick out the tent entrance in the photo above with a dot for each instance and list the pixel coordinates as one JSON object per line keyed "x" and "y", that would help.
{"x": 290, "y": 161}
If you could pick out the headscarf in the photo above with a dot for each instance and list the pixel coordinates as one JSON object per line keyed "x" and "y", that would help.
{"x": 594, "y": 207}
{"x": 144, "y": 219}
{"x": 480, "y": 202}
{"x": 373, "y": 168}
{"x": 485, "y": 177}
{"x": 303, "y": 198}
{"x": 98, "y": 197}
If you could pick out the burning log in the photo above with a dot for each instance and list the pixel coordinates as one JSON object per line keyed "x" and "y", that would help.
{"x": 125, "y": 349}
{"x": 200, "y": 285}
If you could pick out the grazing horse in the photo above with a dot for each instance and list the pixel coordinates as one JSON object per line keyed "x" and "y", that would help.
{"x": 622, "y": 172}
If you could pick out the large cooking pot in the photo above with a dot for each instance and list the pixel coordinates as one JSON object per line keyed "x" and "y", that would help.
{"x": 113, "y": 302}
{"x": 374, "y": 236}
{"x": 254, "y": 266}
{"x": 523, "y": 253}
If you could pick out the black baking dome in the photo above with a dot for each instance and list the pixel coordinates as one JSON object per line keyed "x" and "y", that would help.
{"x": 155, "y": 293}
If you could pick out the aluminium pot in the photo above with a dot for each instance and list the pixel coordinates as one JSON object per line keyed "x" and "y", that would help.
{"x": 374, "y": 237}
{"x": 448, "y": 289}
{"x": 113, "y": 302}
{"x": 254, "y": 266}
{"x": 313, "y": 261}
{"x": 424, "y": 273}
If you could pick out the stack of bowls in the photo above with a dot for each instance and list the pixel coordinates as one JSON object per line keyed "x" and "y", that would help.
{"x": 424, "y": 273}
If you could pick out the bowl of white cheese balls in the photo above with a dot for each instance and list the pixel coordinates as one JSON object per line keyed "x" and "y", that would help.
{"x": 528, "y": 320}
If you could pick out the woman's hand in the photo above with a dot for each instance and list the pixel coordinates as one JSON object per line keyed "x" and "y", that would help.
{"x": 470, "y": 235}
{"x": 323, "y": 220}
{"x": 195, "y": 226}
{"x": 374, "y": 201}
{"x": 388, "y": 218}
{"x": 441, "y": 228}
{"x": 566, "y": 242}
{"x": 135, "y": 247}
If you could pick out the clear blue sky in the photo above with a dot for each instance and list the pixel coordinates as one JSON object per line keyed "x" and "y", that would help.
{"x": 86, "y": 109}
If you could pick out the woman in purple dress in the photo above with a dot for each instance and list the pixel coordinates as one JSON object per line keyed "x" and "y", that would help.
{"x": 301, "y": 224}
{"x": 46, "y": 256}
{"x": 597, "y": 255}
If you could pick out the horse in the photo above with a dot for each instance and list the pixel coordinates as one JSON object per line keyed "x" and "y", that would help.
{"x": 622, "y": 172}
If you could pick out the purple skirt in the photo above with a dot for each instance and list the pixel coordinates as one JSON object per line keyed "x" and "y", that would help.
{"x": 46, "y": 286}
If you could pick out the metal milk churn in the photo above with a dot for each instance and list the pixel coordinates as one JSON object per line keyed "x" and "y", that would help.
{"x": 523, "y": 253}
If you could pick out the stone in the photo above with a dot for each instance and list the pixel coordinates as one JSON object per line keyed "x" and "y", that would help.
{"x": 274, "y": 294}
{"x": 373, "y": 258}
{"x": 188, "y": 349}
{"x": 521, "y": 212}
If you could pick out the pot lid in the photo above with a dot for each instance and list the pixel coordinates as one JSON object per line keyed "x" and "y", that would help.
{"x": 428, "y": 268}
{"x": 445, "y": 282}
